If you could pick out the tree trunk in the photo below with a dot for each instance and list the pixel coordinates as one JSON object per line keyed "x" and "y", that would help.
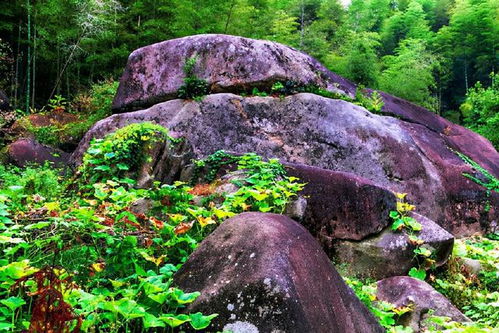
{"x": 34, "y": 66}
{"x": 232, "y": 5}
{"x": 18, "y": 56}
{"x": 28, "y": 69}
{"x": 302, "y": 23}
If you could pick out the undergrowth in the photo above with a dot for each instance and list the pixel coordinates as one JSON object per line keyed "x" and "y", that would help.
{"x": 76, "y": 259}
{"x": 88, "y": 107}
{"x": 474, "y": 291}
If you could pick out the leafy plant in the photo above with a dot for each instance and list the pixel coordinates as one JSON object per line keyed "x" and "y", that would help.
{"x": 474, "y": 293}
{"x": 402, "y": 221}
{"x": 58, "y": 103}
{"x": 486, "y": 179}
{"x": 193, "y": 87}
{"x": 120, "y": 153}
{"x": 386, "y": 313}
{"x": 481, "y": 109}
{"x": 87, "y": 261}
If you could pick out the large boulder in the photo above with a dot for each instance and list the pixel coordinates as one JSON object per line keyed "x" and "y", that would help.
{"x": 154, "y": 73}
{"x": 28, "y": 151}
{"x": 341, "y": 205}
{"x": 276, "y": 280}
{"x": 404, "y": 291}
{"x": 330, "y": 134}
{"x": 391, "y": 253}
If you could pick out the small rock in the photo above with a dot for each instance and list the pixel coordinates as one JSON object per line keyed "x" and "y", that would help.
{"x": 472, "y": 265}
{"x": 390, "y": 253}
{"x": 404, "y": 291}
{"x": 296, "y": 209}
{"x": 141, "y": 206}
{"x": 26, "y": 151}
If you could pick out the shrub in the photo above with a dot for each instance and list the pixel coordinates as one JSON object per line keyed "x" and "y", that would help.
{"x": 193, "y": 87}
{"x": 120, "y": 153}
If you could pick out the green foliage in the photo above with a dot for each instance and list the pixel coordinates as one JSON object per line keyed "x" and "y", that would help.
{"x": 89, "y": 107}
{"x": 386, "y": 313}
{"x": 357, "y": 59}
{"x": 105, "y": 266}
{"x": 121, "y": 153}
{"x": 22, "y": 186}
{"x": 58, "y": 103}
{"x": 371, "y": 101}
{"x": 409, "y": 73}
{"x": 265, "y": 186}
{"x": 477, "y": 295}
{"x": 403, "y": 221}
{"x": 481, "y": 109}
{"x": 193, "y": 87}
{"x": 486, "y": 179}
{"x": 483, "y": 178}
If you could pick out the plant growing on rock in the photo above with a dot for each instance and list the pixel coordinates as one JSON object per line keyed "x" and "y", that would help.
{"x": 402, "y": 221}
{"x": 121, "y": 152}
{"x": 193, "y": 87}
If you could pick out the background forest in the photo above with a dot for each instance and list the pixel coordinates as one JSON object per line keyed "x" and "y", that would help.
{"x": 431, "y": 52}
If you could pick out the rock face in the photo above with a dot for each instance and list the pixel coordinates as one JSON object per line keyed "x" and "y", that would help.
{"x": 404, "y": 290}
{"x": 455, "y": 136}
{"x": 25, "y": 151}
{"x": 390, "y": 253}
{"x": 335, "y": 135}
{"x": 276, "y": 280}
{"x": 342, "y": 205}
{"x": 154, "y": 73}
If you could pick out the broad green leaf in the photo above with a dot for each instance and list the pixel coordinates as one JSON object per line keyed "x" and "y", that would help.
{"x": 13, "y": 302}
{"x": 39, "y": 225}
{"x": 394, "y": 214}
{"x": 5, "y": 326}
{"x": 398, "y": 224}
{"x": 18, "y": 269}
{"x": 417, "y": 273}
{"x": 152, "y": 321}
{"x": 103, "y": 168}
{"x": 159, "y": 298}
{"x": 200, "y": 321}
{"x": 184, "y": 298}
{"x": 175, "y": 320}
{"x": 10, "y": 240}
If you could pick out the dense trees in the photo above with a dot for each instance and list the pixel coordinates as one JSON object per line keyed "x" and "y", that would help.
{"x": 428, "y": 51}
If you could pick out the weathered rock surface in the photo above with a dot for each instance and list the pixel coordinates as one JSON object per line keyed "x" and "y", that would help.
{"x": 455, "y": 136}
{"x": 166, "y": 162}
{"x": 26, "y": 151}
{"x": 404, "y": 291}
{"x": 154, "y": 73}
{"x": 342, "y": 205}
{"x": 390, "y": 253}
{"x": 330, "y": 134}
{"x": 276, "y": 280}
